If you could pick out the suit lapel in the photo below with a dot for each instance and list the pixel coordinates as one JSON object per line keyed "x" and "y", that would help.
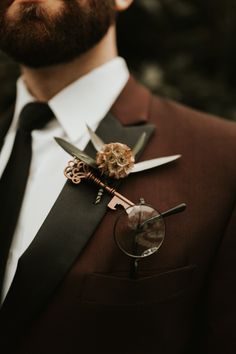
{"x": 65, "y": 232}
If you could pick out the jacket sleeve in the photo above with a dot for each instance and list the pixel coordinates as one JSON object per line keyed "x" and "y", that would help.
{"x": 221, "y": 302}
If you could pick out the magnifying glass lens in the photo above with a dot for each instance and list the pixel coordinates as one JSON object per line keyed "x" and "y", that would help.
{"x": 139, "y": 231}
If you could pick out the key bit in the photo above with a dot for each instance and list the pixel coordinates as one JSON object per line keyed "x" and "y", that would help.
{"x": 119, "y": 199}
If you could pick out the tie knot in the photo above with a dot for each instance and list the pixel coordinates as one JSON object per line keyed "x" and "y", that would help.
{"x": 34, "y": 115}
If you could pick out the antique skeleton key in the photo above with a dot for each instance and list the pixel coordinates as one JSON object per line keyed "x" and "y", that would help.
{"x": 78, "y": 170}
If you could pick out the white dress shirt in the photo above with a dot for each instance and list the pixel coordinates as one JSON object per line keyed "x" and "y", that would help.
{"x": 85, "y": 101}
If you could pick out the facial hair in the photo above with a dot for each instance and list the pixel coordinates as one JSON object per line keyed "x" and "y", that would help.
{"x": 36, "y": 38}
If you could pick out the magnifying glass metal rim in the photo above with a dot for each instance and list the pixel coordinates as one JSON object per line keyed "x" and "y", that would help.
{"x": 146, "y": 253}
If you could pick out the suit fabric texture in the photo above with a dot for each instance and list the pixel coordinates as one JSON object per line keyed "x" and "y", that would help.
{"x": 183, "y": 300}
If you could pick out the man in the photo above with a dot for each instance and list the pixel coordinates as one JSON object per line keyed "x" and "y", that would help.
{"x": 66, "y": 286}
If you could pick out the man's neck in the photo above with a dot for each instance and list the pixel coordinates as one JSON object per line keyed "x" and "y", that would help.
{"x": 44, "y": 83}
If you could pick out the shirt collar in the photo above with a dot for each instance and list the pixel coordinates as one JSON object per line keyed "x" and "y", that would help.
{"x": 85, "y": 101}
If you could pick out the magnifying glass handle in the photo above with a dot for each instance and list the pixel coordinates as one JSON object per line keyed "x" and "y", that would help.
{"x": 178, "y": 209}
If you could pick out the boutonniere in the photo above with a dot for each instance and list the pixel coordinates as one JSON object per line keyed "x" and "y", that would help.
{"x": 117, "y": 160}
{"x": 140, "y": 230}
{"x": 113, "y": 160}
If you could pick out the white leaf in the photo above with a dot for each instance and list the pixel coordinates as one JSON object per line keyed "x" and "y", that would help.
{"x": 148, "y": 164}
{"x": 96, "y": 141}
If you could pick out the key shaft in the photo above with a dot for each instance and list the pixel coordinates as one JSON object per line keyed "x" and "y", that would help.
{"x": 78, "y": 170}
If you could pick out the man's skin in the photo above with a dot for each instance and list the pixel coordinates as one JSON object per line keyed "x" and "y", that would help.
{"x": 45, "y": 82}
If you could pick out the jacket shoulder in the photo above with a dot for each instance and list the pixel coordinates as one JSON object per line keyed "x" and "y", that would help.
{"x": 208, "y": 140}
{"x": 192, "y": 123}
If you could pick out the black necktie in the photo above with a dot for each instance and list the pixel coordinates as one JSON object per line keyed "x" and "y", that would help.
{"x": 34, "y": 115}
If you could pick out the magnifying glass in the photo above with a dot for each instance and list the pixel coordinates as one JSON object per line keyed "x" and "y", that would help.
{"x": 139, "y": 231}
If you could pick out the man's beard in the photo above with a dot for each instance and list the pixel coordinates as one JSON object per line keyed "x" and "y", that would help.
{"x": 36, "y": 38}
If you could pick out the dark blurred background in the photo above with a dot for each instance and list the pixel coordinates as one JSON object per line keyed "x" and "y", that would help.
{"x": 183, "y": 49}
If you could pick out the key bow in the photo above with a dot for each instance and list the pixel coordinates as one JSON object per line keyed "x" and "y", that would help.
{"x": 76, "y": 171}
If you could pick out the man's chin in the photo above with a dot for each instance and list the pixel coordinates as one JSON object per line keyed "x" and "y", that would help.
{"x": 38, "y": 35}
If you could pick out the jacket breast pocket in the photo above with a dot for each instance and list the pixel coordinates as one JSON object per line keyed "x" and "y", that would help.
{"x": 111, "y": 290}
{"x": 149, "y": 315}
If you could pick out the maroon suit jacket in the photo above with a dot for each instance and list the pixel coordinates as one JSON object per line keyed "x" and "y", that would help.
{"x": 184, "y": 299}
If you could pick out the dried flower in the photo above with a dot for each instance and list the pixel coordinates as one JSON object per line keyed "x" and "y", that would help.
{"x": 115, "y": 160}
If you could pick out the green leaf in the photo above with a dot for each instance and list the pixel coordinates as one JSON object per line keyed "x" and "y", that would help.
{"x": 140, "y": 143}
{"x": 75, "y": 152}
